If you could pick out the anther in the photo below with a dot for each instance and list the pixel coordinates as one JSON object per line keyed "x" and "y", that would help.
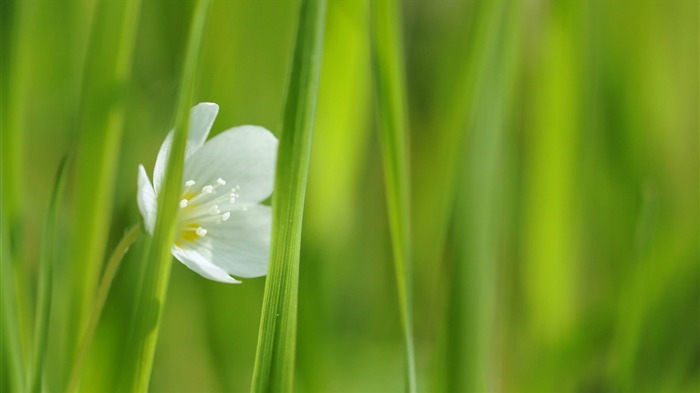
{"x": 189, "y": 183}
{"x": 207, "y": 189}
{"x": 201, "y": 232}
{"x": 221, "y": 181}
{"x": 183, "y": 203}
{"x": 214, "y": 210}
{"x": 226, "y": 216}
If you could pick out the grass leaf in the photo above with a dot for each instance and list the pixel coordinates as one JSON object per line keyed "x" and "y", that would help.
{"x": 45, "y": 273}
{"x": 157, "y": 254}
{"x": 101, "y": 127}
{"x": 274, "y": 361}
{"x": 389, "y": 80}
{"x": 472, "y": 353}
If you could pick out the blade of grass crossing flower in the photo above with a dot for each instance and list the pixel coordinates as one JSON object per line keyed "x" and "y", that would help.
{"x": 43, "y": 297}
{"x": 274, "y": 360}
{"x": 157, "y": 254}
{"x": 101, "y": 124}
{"x": 389, "y": 80}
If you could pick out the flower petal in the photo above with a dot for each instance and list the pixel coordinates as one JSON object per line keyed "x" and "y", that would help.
{"x": 243, "y": 156}
{"x": 146, "y": 198}
{"x": 198, "y": 260}
{"x": 201, "y": 119}
{"x": 241, "y": 245}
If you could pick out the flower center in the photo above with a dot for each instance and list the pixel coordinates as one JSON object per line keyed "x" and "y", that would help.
{"x": 200, "y": 210}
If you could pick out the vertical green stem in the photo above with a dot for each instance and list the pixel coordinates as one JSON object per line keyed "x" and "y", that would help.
{"x": 275, "y": 357}
{"x": 472, "y": 352}
{"x": 107, "y": 278}
{"x": 101, "y": 124}
{"x": 43, "y": 298}
{"x": 387, "y": 58}
{"x": 157, "y": 257}
{"x": 18, "y": 19}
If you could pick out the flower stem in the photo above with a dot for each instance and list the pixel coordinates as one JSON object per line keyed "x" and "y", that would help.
{"x": 110, "y": 272}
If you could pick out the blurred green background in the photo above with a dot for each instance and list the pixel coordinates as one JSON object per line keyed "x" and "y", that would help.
{"x": 555, "y": 188}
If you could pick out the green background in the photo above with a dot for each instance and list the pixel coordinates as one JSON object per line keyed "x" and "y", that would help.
{"x": 558, "y": 252}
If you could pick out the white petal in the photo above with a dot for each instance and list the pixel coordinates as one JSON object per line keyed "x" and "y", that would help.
{"x": 243, "y": 156}
{"x": 241, "y": 245}
{"x": 199, "y": 260}
{"x": 146, "y": 198}
{"x": 201, "y": 119}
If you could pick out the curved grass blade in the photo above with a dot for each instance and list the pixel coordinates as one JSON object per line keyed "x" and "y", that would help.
{"x": 157, "y": 258}
{"x": 43, "y": 298}
{"x": 274, "y": 360}
{"x": 389, "y": 80}
{"x": 101, "y": 126}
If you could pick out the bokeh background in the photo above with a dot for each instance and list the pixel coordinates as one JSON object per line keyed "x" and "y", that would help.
{"x": 555, "y": 209}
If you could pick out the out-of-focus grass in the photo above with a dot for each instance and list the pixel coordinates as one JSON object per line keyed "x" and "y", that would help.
{"x": 390, "y": 94}
{"x": 591, "y": 238}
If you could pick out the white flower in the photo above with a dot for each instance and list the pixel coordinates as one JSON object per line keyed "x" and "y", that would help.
{"x": 221, "y": 227}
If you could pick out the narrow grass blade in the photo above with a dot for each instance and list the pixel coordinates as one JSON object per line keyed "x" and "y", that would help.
{"x": 472, "y": 347}
{"x": 389, "y": 80}
{"x": 45, "y": 274}
{"x": 110, "y": 272}
{"x": 101, "y": 127}
{"x": 157, "y": 257}
{"x": 11, "y": 352}
{"x": 275, "y": 357}
{"x": 18, "y": 19}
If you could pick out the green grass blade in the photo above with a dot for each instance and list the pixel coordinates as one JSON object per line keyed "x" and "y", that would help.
{"x": 101, "y": 127}
{"x": 389, "y": 79}
{"x": 111, "y": 268}
{"x": 157, "y": 254}
{"x": 43, "y": 298}
{"x": 19, "y": 18}
{"x": 275, "y": 357}
{"x": 11, "y": 352}
{"x": 472, "y": 355}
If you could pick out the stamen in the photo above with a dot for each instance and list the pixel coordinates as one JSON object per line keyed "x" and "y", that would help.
{"x": 226, "y": 216}
{"x": 201, "y": 232}
{"x": 214, "y": 210}
{"x": 221, "y": 181}
{"x": 207, "y": 189}
{"x": 183, "y": 203}
{"x": 189, "y": 183}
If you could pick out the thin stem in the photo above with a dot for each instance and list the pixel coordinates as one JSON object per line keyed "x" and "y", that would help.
{"x": 110, "y": 272}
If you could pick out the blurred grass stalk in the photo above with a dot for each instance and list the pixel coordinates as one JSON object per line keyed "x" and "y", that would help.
{"x": 18, "y": 19}
{"x": 157, "y": 259}
{"x": 275, "y": 356}
{"x": 45, "y": 276}
{"x": 389, "y": 81}
{"x": 471, "y": 343}
{"x": 338, "y": 155}
{"x": 101, "y": 124}
{"x": 549, "y": 229}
